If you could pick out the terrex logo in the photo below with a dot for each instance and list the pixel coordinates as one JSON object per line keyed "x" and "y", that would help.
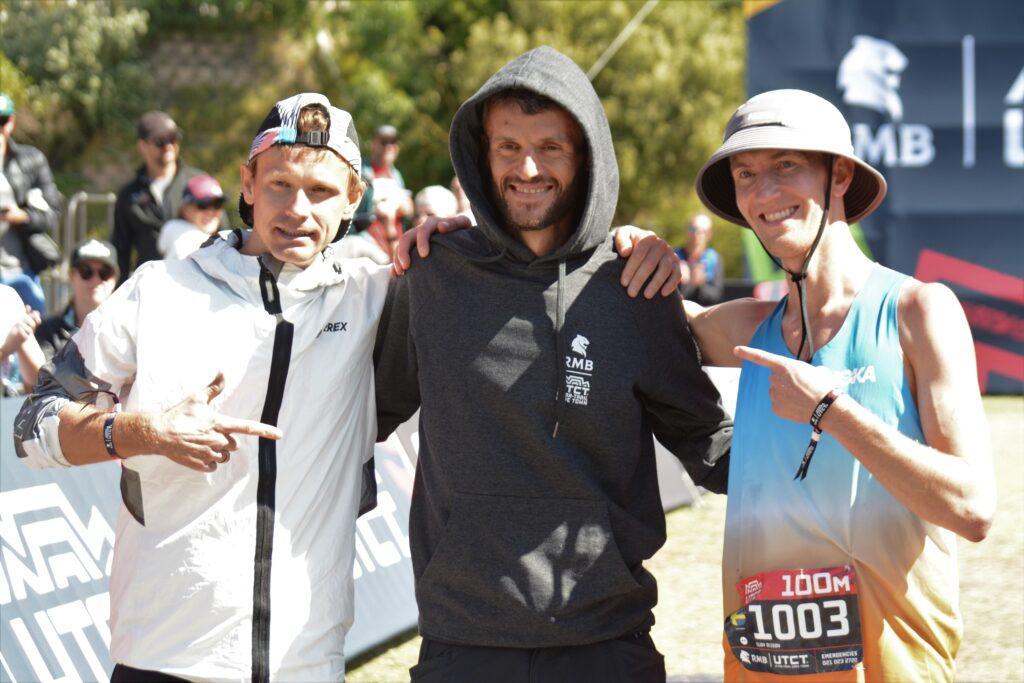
{"x": 869, "y": 75}
{"x": 580, "y": 344}
{"x": 334, "y": 327}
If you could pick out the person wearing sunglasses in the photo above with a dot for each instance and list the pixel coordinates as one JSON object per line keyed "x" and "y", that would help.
{"x": 153, "y": 196}
{"x": 92, "y": 278}
{"x": 702, "y": 267}
{"x": 202, "y": 203}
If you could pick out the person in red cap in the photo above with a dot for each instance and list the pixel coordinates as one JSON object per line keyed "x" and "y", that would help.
{"x": 202, "y": 203}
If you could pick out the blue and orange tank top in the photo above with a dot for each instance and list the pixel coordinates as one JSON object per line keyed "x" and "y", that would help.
{"x": 831, "y": 577}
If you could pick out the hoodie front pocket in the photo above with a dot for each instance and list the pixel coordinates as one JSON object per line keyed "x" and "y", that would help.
{"x": 524, "y": 564}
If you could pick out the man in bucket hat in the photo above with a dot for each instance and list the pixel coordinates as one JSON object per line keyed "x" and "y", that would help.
{"x": 234, "y": 550}
{"x": 846, "y": 571}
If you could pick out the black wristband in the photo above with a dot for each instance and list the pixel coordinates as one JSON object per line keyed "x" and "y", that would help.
{"x": 108, "y": 436}
{"x": 816, "y": 415}
{"x": 823, "y": 406}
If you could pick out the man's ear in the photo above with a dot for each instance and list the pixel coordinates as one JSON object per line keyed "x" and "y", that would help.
{"x": 356, "y": 190}
{"x": 140, "y": 145}
{"x": 842, "y": 175}
{"x": 248, "y": 183}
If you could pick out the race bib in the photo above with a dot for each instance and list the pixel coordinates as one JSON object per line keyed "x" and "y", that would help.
{"x": 797, "y": 621}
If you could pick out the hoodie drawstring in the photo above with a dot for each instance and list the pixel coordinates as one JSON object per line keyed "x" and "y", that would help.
{"x": 559, "y": 348}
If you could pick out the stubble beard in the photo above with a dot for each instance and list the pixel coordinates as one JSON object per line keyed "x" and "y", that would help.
{"x": 562, "y": 207}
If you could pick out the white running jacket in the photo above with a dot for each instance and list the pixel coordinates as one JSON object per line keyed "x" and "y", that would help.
{"x": 245, "y": 572}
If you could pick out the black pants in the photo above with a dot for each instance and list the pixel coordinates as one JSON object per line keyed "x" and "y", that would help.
{"x": 126, "y": 674}
{"x": 629, "y": 659}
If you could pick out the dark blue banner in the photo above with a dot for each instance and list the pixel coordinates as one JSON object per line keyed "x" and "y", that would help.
{"x": 934, "y": 93}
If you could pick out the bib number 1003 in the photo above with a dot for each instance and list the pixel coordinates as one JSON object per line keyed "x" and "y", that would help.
{"x": 803, "y": 620}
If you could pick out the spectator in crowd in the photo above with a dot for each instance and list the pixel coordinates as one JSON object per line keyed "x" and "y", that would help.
{"x": 20, "y": 355}
{"x": 202, "y": 204}
{"x": 154, "y": 195}
{"x": 534, "y": 511}
{"x": 92, "y": 277}
{"x": 29, "y": 205}
{"x": 701, "y": 265}
{"x": 387, "y": 205}
{"x": 462, "y": 207}
{"x": 435, "y": 200}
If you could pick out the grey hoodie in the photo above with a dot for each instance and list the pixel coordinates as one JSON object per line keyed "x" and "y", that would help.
{"x": 541, "y": 382}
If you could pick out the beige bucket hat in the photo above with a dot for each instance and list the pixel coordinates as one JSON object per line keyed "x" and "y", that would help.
{"x": 787, "y": 119}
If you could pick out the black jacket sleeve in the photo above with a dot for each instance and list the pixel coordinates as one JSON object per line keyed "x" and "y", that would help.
{"x": 683, "y": 406}
{"x": 394, "y": 359}
{"x": 121, "y": 235}
{"x": 40, "y": 219}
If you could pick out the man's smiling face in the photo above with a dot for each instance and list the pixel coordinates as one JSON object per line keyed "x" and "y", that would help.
{"x": 781, "y": 194}
{"x": 534, "y": 161}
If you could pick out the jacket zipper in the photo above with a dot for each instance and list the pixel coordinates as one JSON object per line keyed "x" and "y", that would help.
{"x": 266, "y": 483}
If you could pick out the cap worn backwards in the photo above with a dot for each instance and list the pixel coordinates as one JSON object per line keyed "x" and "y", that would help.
{"x": 280, "y": 127}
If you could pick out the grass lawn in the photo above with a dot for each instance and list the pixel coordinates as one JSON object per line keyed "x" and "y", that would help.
{"x": 689, "y": 622}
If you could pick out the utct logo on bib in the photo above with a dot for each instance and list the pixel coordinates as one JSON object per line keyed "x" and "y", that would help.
{"x": 869, "y": 76}
{"x": 578, "y": 371}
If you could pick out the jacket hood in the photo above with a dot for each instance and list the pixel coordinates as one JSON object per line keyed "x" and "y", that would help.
{"x": 546, "y": 72}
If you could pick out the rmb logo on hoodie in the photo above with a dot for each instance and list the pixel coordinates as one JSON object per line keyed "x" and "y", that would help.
{"x": 578, "y": 370}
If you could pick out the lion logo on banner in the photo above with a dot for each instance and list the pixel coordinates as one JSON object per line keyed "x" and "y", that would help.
{"x": 580, "y": 344}
{"x": 869, "y": 75}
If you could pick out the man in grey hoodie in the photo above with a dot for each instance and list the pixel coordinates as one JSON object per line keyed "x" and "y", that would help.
{"x": 541, "y": 383}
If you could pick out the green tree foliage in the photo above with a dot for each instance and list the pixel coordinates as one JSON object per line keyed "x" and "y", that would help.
{"x": 77, "y": 67}
{"x": 225, "y": 16}
{"x": 89, "y": 68}
{"x": 391, "y": 63}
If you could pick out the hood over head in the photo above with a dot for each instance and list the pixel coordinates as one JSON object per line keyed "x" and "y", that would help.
{"x": 546, "y": 72}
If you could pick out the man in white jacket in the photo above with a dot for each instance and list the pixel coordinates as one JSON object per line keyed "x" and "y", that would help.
{"x": 228, "y": 521}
